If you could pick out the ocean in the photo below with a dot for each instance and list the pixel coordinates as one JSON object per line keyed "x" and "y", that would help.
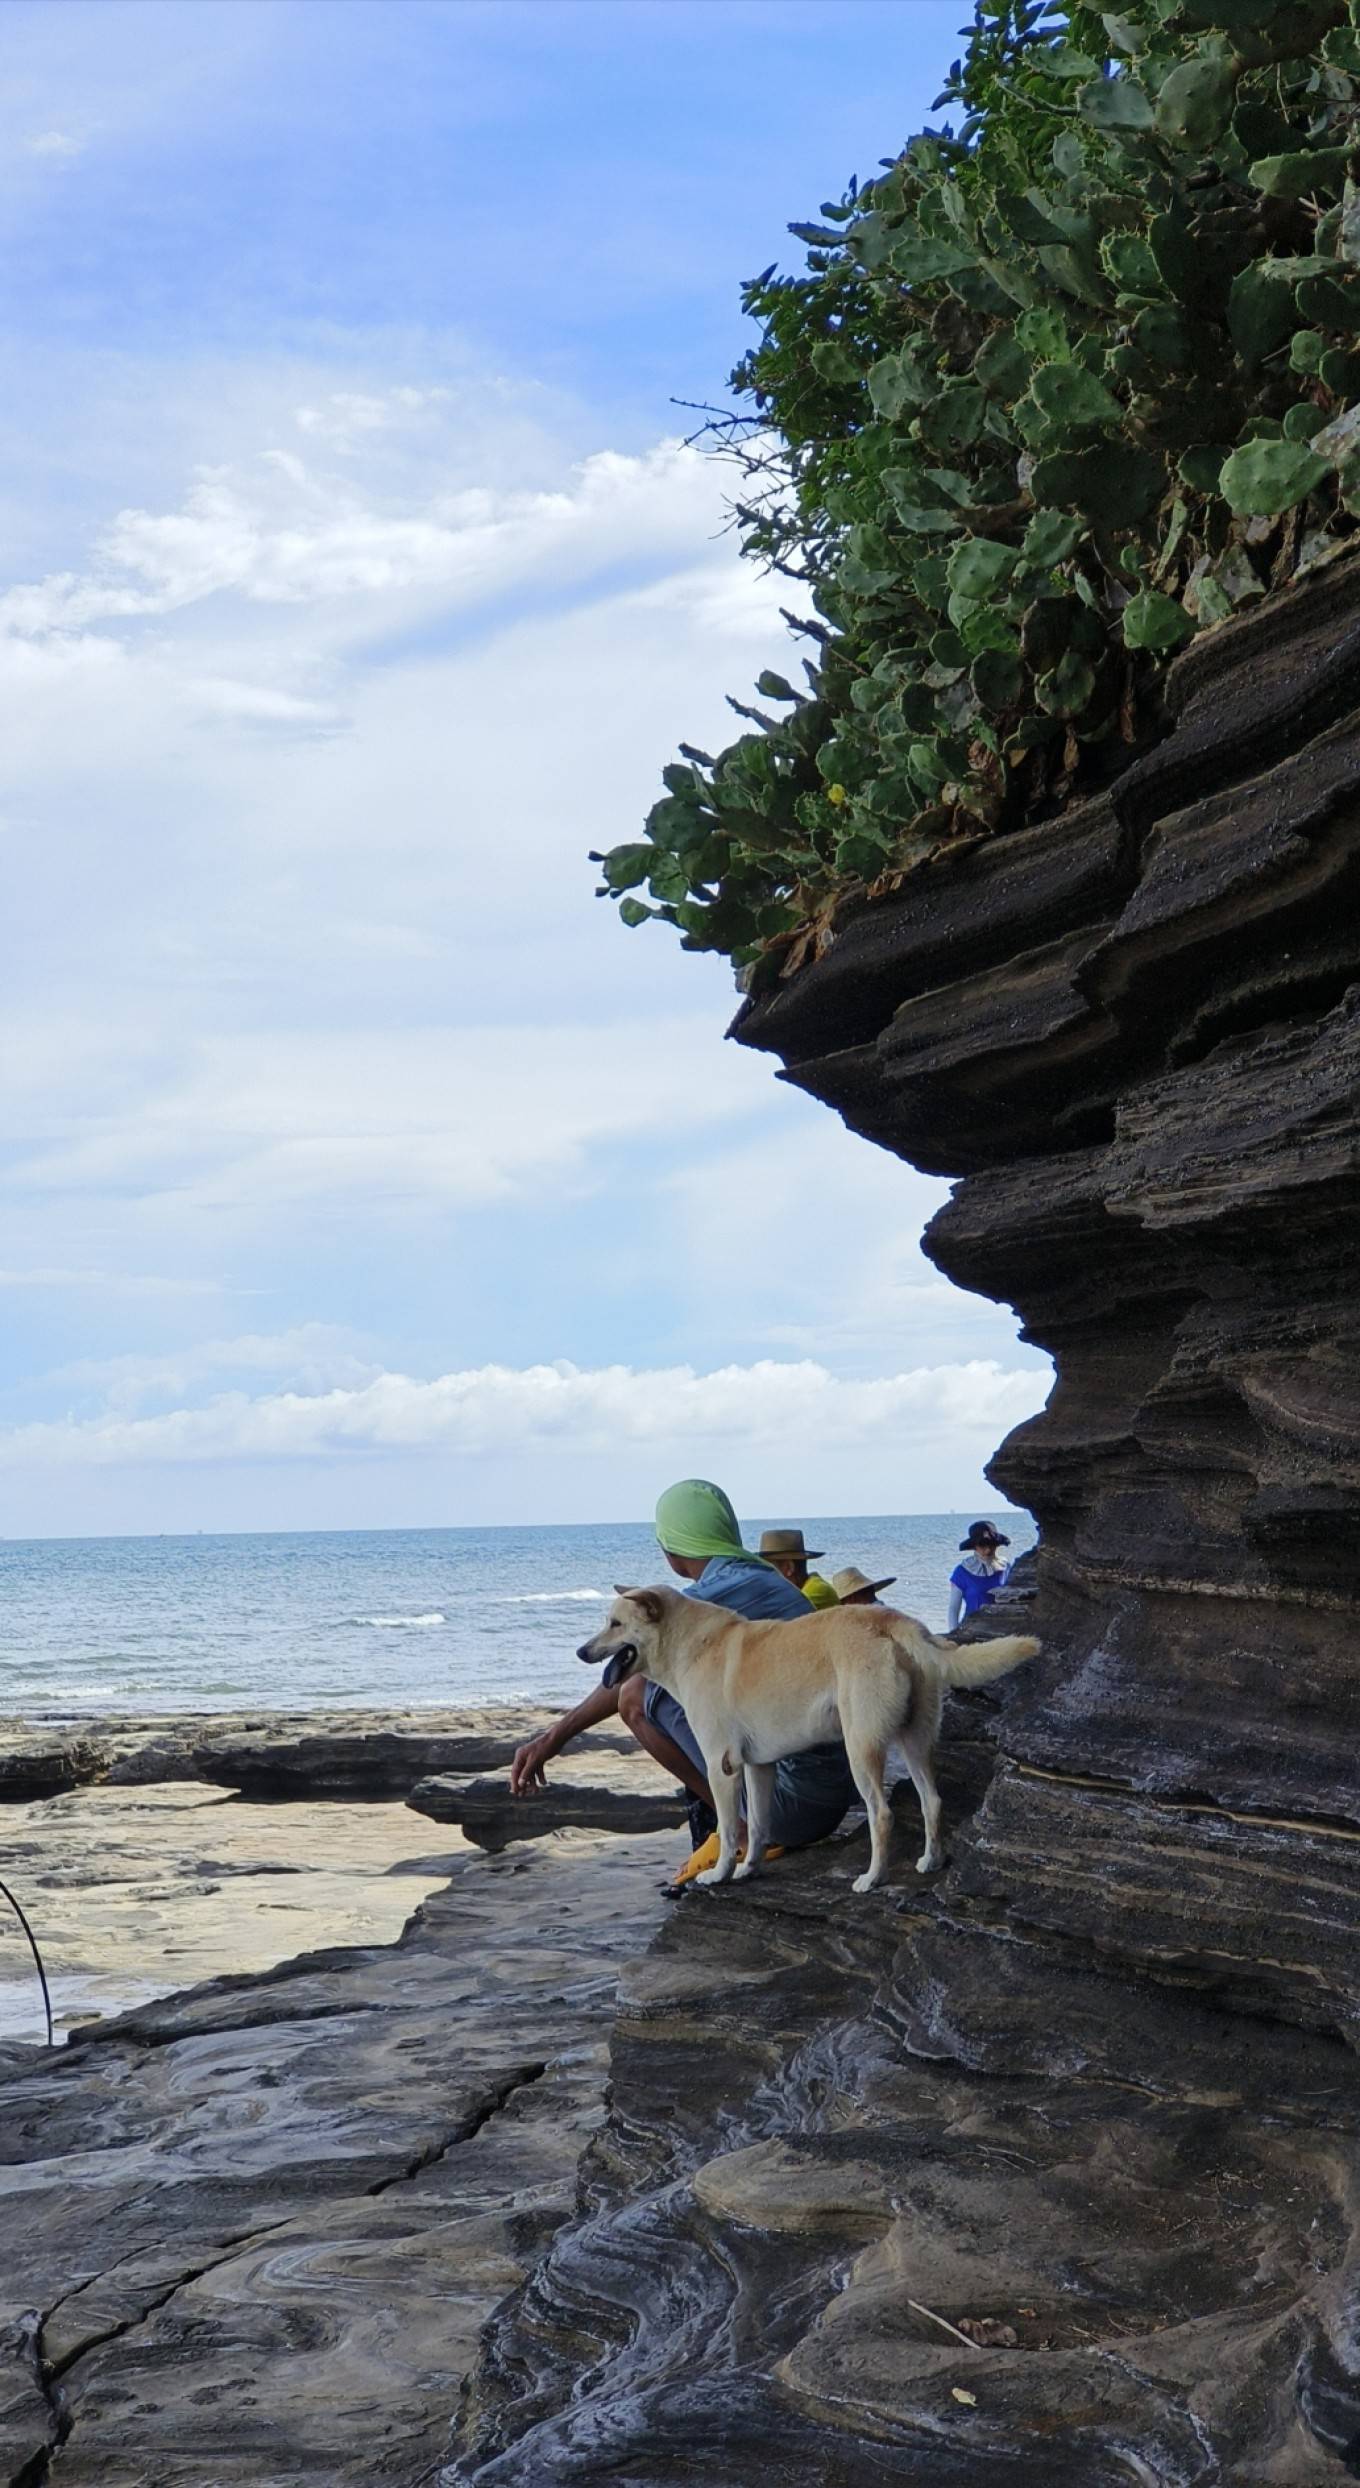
{"x": 363, "y": 1618}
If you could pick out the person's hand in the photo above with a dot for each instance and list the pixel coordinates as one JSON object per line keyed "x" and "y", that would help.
{"x": 526, "y": 1768}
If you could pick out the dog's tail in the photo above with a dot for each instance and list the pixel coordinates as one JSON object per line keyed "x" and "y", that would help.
{"x": 982, "y": 1661}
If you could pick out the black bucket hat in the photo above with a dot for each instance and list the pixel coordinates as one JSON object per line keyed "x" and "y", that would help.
{"x": 981, "y": 1533}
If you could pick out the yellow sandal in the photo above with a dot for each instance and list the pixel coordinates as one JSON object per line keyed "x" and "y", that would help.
{"x": 704, "y": 1857}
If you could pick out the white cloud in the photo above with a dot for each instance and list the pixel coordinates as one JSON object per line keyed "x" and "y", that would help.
{"x": 302, "y": 927}
{"x": 815, "y": 1249}
{"x": 115, "y": 1282}
{"x": 347, "y": 418}
{"x": 313, "y": 1356}
{"x": 262, "y": 704}
{"x": 278, "y": 532}
{"x": 57, "y": 146}
{"x": 494, "y": 1408}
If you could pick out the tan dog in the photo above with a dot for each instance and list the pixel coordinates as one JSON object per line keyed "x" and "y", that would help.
{"x": 754, "y": 1692}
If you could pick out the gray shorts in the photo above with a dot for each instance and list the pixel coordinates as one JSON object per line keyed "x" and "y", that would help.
{"x": 811, "y": 1791}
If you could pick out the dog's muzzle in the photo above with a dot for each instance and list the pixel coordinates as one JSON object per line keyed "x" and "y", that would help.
{"x": 616, "y": 1666}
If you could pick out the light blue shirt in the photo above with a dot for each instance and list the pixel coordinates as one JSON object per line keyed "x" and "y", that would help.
{"x": 749, "y": 1588}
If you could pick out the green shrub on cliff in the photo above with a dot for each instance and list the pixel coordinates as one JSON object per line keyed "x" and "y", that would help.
{"x": 1075, "y": 377}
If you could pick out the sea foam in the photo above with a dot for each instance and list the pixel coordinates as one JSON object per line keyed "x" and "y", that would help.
{"x": 550, "y": 1598}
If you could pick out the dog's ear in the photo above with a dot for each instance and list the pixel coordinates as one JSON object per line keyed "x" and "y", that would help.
{"x": 621, "y": 1591}
{"x": 650, "y": 1601}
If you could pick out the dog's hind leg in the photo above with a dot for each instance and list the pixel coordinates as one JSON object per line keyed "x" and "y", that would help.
{"x": 759, "y": 1809}
{"x": 918, "y": 1752}
{"x": 867, "y": 1759}
{"x": 727, "y": 1802}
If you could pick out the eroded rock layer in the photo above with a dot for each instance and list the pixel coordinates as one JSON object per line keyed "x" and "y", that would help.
{"x": 907, "y": 2195}
{"x": 1051, "y": 2175}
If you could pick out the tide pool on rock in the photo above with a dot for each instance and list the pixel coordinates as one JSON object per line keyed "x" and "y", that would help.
{"x": 167, "y": 1851}
{"x": 136, "y": 1891}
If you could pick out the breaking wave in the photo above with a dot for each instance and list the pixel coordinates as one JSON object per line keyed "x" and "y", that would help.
{"x": 550, "y": 1598}
{"x": 406, "y": 1623}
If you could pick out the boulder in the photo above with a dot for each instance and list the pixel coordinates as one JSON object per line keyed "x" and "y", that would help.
{"x": 151, "y": 1762}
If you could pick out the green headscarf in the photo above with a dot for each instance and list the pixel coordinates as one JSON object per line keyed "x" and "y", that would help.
{"x": 696, "y": 1519}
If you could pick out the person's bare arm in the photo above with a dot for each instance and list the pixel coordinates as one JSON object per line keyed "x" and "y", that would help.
{"x": 526, "y": 1770}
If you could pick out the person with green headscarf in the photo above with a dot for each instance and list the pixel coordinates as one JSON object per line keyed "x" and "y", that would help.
{"x": 700, "y": 1537}
{"x": 695, "y": 1521}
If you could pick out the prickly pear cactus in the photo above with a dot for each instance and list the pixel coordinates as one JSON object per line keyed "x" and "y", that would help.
{"x": 1076, "y": 376}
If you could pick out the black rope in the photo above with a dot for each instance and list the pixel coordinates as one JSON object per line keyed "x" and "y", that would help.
{"x": 37, "y": 1956}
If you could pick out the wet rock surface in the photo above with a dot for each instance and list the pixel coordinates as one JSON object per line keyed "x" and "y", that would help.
{"x": 1090, "y": 2101}
{"x": 251, "y": 2232}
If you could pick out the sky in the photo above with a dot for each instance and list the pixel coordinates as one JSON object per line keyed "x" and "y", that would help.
{"x": 362, "y": 1170}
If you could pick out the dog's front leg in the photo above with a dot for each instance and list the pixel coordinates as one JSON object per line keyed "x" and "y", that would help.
{"x": 726, "y": 1787}
{"x": 759, "y": 1808}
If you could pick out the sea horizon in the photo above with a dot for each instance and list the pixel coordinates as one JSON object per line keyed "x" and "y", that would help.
{"x": 400, "y": 1529}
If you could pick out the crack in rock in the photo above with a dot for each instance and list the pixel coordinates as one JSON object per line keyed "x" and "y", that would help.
{"x": 55, "y": 2369}
{"x": 521, "y": 2078}
{"x": 26, "y": 2336}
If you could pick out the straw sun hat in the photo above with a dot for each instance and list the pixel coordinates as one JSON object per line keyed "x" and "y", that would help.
{"x": 787, "y": 1542}
{"x": 852, "y": 1582}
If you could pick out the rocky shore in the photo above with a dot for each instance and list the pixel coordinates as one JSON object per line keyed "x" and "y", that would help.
{"x": 253, "y": 2226}
{"x": 1047, "y": 2174}
{"x": 252, "y": 2232}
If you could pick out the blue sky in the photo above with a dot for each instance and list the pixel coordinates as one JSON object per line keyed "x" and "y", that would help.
{"x": 361, "y": 1168}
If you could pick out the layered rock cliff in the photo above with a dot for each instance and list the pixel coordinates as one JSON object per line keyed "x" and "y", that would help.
{"x": 1050, "y": 2174}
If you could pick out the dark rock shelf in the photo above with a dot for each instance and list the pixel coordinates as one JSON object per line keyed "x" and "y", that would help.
{"x": 340, "y": 1762}
{"x": 326, "y": 1755}
{"x": 836, "y": 2122}
{"x": 33, "y": 1766}
{"x": 611, "y": 1793}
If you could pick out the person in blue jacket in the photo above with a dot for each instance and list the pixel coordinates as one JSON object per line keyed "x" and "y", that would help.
{"x": 983, "y": 1571}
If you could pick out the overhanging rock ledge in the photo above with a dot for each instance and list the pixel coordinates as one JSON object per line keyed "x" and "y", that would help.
{"x": 1095, "y": 2092}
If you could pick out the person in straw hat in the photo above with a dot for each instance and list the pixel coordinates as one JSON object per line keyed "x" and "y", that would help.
{"x": 853, "y": 1589}
{"x": 784, "y": 1549}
